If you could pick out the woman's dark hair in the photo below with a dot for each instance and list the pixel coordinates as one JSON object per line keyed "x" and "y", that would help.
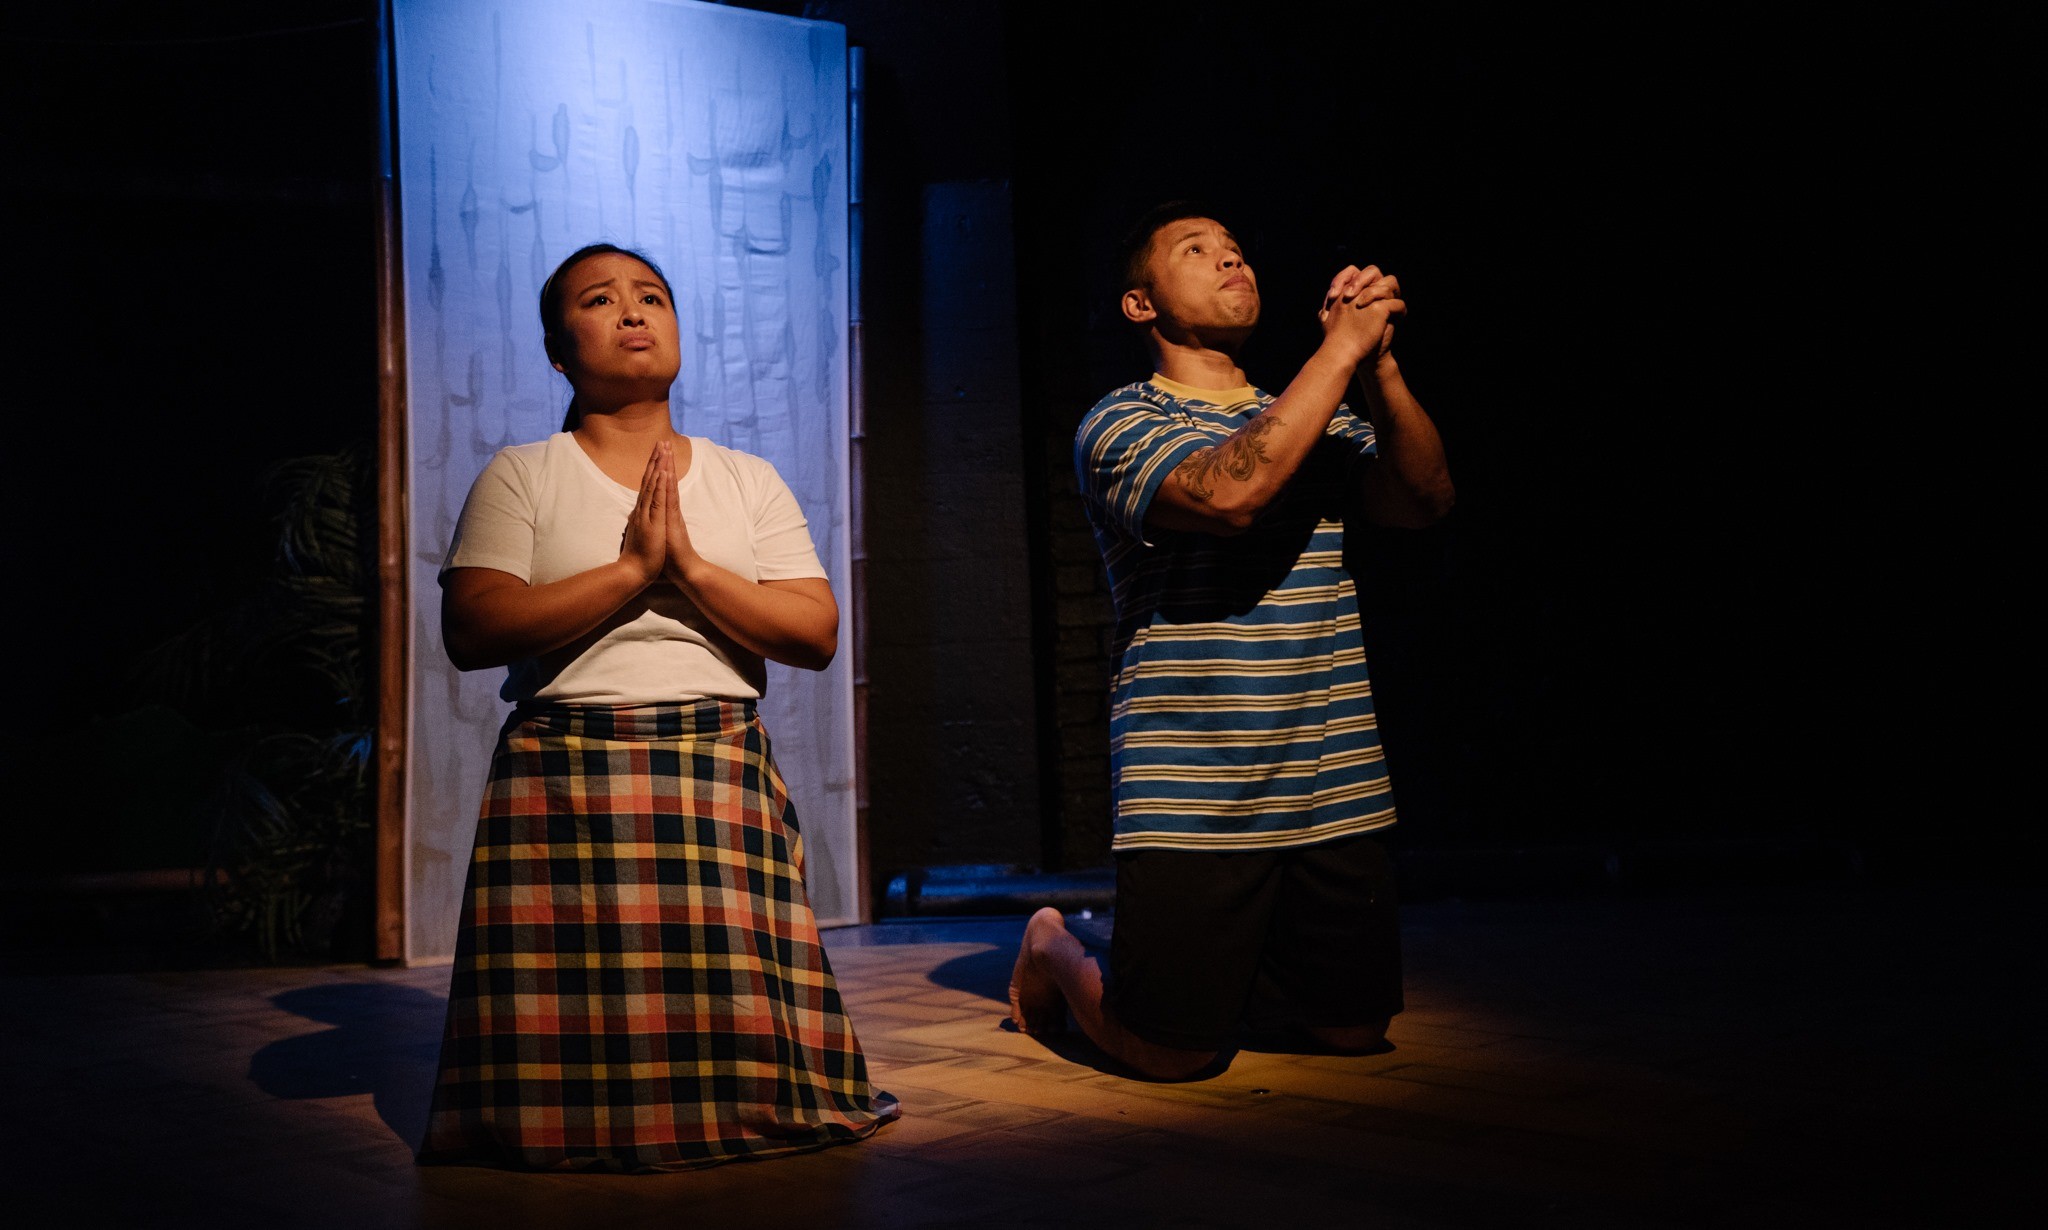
{"x": 553, "y": 291}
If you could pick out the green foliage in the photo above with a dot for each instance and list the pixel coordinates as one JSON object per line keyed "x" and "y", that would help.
{"x": 291, "y": 840}
{"x": 284, "y": 670}
{"x": 147, "y": 799}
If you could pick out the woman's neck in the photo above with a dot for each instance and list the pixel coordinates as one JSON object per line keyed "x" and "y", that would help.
{"x": 621, "y": 440}
{"x": 635, "y": 427}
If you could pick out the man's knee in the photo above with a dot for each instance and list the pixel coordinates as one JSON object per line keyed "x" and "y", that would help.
{"x": 1168, "y": 1064}
{"x": 1351, "y": 1037}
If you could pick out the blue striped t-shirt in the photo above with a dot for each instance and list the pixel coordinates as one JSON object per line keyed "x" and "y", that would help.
{"x": 1241, "y": 712}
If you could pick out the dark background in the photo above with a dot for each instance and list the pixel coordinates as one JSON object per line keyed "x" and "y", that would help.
{"x": 1723, "y": 579}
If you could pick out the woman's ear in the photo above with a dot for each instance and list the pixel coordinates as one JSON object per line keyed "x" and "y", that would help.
{"x": 547, "y": 342}
{"x": 1137, "y": 304}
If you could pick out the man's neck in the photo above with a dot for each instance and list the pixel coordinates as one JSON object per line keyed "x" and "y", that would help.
{"x": 1198, "y": 367}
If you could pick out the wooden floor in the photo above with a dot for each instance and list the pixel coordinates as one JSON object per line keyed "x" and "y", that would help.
{"x": 1833, "y": 1055}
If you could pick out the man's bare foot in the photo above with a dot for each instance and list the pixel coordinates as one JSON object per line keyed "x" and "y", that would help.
{"x": 1036, "y": 1005}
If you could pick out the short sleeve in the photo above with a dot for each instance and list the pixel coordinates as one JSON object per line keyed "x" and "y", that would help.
{"x": 496, "y": 527}
{"x": 1348, "y": 426}
{"x": 1124, "y": 450}
{"x": 782, "y": 537}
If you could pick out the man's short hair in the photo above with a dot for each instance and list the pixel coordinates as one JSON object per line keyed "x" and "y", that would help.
{"x": 1136, "y": 248}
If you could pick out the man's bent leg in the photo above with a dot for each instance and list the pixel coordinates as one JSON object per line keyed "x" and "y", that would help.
{"x": 1360, "y": 1038}
{"x": 1054, "y": 974}
{"x": 1189, "y": 928}
{"x": 1333, "y": 965}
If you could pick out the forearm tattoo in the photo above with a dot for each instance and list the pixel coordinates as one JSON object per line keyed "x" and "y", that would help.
{"x": 1237, "y": 457}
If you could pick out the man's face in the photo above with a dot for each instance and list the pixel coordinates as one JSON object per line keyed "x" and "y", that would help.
{"x": 1197, "y": 281}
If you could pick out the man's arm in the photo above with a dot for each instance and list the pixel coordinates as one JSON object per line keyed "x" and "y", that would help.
{"x": 1408, "y": 484}
{"x": 1222, "y": 489}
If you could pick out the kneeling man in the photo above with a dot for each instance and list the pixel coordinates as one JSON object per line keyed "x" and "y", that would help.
{"x": 1245, "y": 754}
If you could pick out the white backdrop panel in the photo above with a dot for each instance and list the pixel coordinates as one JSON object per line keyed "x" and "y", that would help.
{"x": 713, "y": 139}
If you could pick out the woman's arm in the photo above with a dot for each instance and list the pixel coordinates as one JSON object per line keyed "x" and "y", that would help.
{"x": 490, "y": 618}
{"x": 793, "y": 622}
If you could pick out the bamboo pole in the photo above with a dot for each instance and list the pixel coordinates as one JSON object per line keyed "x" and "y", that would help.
{"x": 393, "y": 609}
{"x": 857, "y": 424}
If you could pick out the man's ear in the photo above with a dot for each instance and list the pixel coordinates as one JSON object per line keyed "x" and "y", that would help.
{"x": 1138, "y": 309}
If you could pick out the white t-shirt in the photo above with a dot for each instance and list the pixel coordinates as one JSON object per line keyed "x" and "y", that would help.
{"x": 544, "y": 511}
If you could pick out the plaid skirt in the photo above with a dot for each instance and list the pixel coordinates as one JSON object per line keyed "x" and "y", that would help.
{"x": 638, "y": 980}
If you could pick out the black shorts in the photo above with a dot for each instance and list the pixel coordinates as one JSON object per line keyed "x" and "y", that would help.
{"x": 1208, "y": 945}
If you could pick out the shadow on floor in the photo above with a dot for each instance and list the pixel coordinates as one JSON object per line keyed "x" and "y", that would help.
{"x": 986, "y": 974}
{"x": 385, "y": 1042}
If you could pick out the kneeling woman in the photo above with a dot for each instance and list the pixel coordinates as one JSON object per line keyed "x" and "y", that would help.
{"x": 638, "y": 979}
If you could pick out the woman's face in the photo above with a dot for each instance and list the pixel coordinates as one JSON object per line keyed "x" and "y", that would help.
{"x": 618, "y": 331}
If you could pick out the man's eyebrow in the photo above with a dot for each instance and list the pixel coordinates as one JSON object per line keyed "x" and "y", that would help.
{"x": 1195, "y": 232}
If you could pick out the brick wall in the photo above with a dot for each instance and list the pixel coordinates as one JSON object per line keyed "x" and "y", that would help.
{"x": 953, "y": 756}
{"x": 1082, "y": 623}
